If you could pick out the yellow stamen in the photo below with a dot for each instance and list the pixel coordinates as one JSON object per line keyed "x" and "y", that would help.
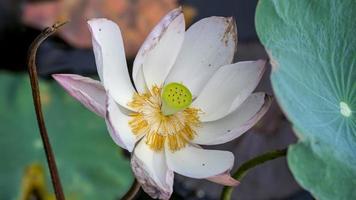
{"x": 176, "y": 129}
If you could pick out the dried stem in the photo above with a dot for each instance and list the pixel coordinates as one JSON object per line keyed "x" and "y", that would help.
{"x": 245, "y": 167}
{"x": 39, "y": 114}
{"x": 131, "y": 194}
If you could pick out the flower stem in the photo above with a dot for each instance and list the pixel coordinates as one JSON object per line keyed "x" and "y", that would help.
{"x": 245, "y": 167}
{"x": 39, "y": 114}
{"x": 131, "y": 194}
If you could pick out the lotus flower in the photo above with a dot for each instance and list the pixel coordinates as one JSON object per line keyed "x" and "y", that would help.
{"x": 186, "y": 93}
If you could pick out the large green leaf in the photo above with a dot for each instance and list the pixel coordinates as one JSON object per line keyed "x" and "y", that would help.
{"x": 91, "y": 166}
{"x": 312, "y": 46}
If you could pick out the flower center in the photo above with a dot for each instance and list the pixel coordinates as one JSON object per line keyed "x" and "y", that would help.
{"x": 164, "y": 117}
{"x": 175, "y": 97}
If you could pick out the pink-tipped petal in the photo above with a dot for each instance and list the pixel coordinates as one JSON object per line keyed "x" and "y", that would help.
{"x": 228, "y": 88}
{"x": 159, "y": 51}
{"x": 89, "y": 92}
{"x": 151, "y": 171}
{"x": 118, "y": 125}
{"x": 224, "y": 179}
{"x": 236, "y": 123}
{"x": 110, "y": 60}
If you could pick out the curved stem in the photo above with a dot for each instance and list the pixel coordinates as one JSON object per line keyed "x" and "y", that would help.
{"x": 135, "y": 187}
{"x": 39, "y": 114}
{"x": 245, "y": 167}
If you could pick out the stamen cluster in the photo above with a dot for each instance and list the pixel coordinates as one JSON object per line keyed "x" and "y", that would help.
{"x": 177, "y": 129}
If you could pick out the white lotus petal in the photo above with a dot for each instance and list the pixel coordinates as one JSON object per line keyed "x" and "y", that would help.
{"x": 118, "y": 125}
{"x": 98, "y": 58}
{"x": 236, "y": 123}
{"x": 161, "y": 49}
{"x": 195, "y": 162}
{"x": 140, "y": 82}
{"x": 150, "y": 42}
{"x": 228, "y": 88}
{"x": 208, "y": 44}
{"x": 89, "y": 92}
{"x": 151, "y": 171}
{"x": 110, "y": 59}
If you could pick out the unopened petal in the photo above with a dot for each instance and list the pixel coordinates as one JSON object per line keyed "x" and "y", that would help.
{"x": 236, "y": 123}
{"x": 208, "y": 44}
{"x": 110, "y": 60}
{"x": 89, "y": 92}
{"x": 151, "y": 171}
{"x": 228, "y": 88}
{"x": 199, "y": 163}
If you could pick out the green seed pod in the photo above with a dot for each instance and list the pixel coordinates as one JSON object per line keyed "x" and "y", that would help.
{"x": 175, "y": 97}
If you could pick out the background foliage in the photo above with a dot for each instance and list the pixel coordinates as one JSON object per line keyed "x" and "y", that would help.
{"x": 91, "y": 166}
{"x": 312, "y": 47}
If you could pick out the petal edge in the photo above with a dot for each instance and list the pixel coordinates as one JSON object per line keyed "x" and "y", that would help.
{"x": 149, "y": 43}
{"x": 236, "y": 123}
{"x": 228, "y": 88}
{"x": 151, "y": 171}
{"x": 88, "y": 91}
{"x": 118, "y": 125}
{"x": 224, "y": 179}
{"x": 110, "y": 59}
{"x": 196, "y": 162}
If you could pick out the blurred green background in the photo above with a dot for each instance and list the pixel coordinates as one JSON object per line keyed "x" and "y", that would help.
{"x": 91, "y": 166}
